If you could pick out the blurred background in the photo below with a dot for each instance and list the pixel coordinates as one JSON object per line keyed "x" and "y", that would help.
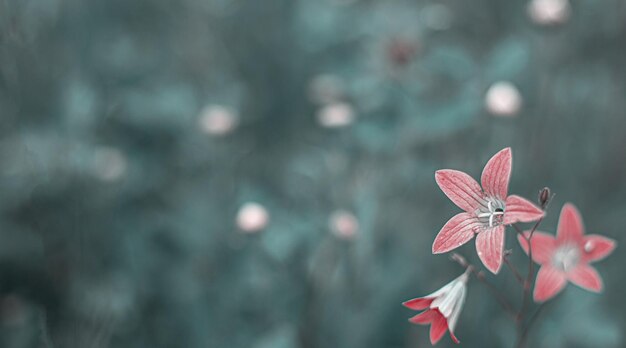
{"x": 231, "y": 173}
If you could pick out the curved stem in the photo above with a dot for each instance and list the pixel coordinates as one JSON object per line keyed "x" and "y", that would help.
{"x": 480, "y": 276}
{"x": 519, "y": 231}
{"x": 517, "y": 275}
{"x": 43, "y": 326}
{"x": 533, "y": 318}
{"x": 528, "y": 284}
{"x": 521, "y": 341}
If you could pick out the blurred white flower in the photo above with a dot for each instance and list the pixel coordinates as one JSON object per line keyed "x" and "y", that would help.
{"x": 336, "y": 115}
{"x": 343, "y": 224}
{"x": 252, "y": 217}
{"x": 549, "y": 12}
{"x": 109, "y": 164}
{"x": 503, "y": 99}
{"x": 217, "y": 120}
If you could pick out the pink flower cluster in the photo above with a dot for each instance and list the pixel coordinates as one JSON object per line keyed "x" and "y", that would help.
{"x": 487, "y": 210}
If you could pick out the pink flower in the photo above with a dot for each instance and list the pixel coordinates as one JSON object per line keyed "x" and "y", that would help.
{"x": 567, "y": 256}
{"x": 442, "y": 308}
{"x": 487, "y": 210}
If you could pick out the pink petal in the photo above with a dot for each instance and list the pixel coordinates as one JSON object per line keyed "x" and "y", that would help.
{"x": 425, "y": 317}
{"x": 586, "y": 277}
{"x": 418, "y": 303}
{"x": 596, "y": 247}
{"x": 456, "y": 232}
{"x": 497, "y": 173}
{"x": 461, "y": 188}
{"x": 518, "y": 209}
{"x": 438, "y": 327}
{"x": 543, "y": 246}
{"x": 570, "y": 226}
{"x": 550, "y": 281}
{"x": 456, "y": 340}
{"x": 489, "y": 245}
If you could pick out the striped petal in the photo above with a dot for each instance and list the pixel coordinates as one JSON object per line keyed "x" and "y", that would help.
{"x": 489, "y": 245}
{"x": 586, "y": 277}
{"x": 518, "y": 209}
{"x": 570, "y": 226}
{"x": 438, "y": 328}
{"x": 425, "y": 317}
{"x": 550, "y": 281}
{"x": 597, "y": 247}
{"x": 497, "y": 173}
{"x": 456, "y": 232}
{"x": 456, "y": 310}
{"x": 461, "y": 188}
{"x": 453, "y": 336}
{"x": 418, "y": 303}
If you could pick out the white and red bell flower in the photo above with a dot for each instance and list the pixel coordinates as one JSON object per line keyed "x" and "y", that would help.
{"x": 567, "y": 257}
{"x": 487, "y": 210}
{"x": 441, "y": 308}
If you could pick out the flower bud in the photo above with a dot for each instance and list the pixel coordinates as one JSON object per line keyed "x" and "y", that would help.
{"x": 544, "y": 197}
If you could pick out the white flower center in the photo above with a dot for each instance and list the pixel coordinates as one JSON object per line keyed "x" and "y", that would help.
{"x": 492, "y": 214}
{"x": 566, "y": 257}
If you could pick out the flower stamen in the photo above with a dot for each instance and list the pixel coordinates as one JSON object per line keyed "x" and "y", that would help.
{"x": 566, "y": 257}
{"x": 492, "y": 213}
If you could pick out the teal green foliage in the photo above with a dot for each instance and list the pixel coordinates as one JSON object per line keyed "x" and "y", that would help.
{"x": 118, "y": 213}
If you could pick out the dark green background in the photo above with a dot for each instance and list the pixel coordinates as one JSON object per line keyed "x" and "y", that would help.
{"x": 154, "y": 258}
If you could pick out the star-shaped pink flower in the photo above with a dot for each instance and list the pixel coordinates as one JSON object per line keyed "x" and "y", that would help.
{"x": 567, "y": 257}
{"x": 487, "y": 210}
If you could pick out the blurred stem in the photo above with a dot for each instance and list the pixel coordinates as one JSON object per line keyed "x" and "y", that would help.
{"x": 532, "y": 319}
{"x": 45, "y": 338}
{"x": 317, "y": 278}
{"x": 523, "y": 335}
{"x": 519, "y": 231}
{"x": 522, "y": 332}
{"x": 480, "y": 276}
{"x": 517, "y": 275}
{"x": 528, "y": 284}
